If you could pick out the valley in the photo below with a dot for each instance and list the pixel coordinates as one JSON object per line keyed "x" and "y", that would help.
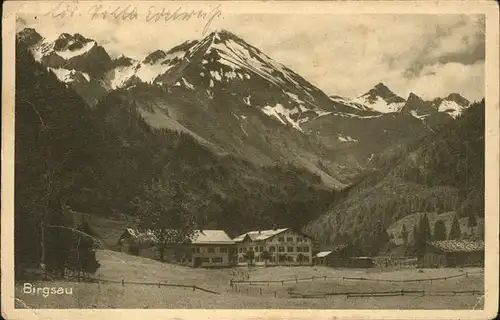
{"x": 216, "y": 134}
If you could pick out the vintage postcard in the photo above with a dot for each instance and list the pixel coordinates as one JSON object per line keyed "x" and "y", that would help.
{"x": 250, "y": 160}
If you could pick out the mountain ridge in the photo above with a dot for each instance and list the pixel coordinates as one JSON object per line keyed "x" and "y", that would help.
{"x": 257, "y": 108}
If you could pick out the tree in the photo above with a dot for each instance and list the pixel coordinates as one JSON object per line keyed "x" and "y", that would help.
{"x": 164, "y": 210}
{"x": 414, "y": 236}
{"x": 266, "y": 256}
{"x": 439, "y": 230}
{"x": 86, "y": 248}
{"x": 378, "y": 239}
{"x": 471, "y": 221}
{"x": 249, "y": 256}
{"x": 455, "y": 232}
{"x": 422, "y": 236}
{"x": 404, "y": 235}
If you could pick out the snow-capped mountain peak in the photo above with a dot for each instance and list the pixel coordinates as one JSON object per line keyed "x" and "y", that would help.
{"x": 380, "y": 98}
{"x": 454, "y": 104}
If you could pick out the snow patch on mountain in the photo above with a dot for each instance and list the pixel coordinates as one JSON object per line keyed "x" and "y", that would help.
{"x": 345, "y": 138}
{"x": 68, "y": 76}
{"x": 416, "y": 115}
{"x": 282, "y": 114}
{"x": 350, "y": 103}
{"x": 148, "y": 73}
{"x": 294, "y": 97}
{"x": 246, "y": 100}
{"x": 216, "y": 75}
{"x": 187, "y": 84}
{"x": 379, "y": 104}
{"x": 451, "y": 107}
{"x": 68, "y": 54}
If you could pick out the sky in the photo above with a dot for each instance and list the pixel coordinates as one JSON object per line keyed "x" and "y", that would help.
{"x": 430, "y": 55}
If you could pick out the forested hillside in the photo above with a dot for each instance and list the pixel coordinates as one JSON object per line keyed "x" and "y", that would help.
{"x": 101, "y": 160}
{"x": 442, "y": 172}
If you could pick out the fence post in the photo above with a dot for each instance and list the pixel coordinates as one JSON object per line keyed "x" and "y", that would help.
{"x": 282, "y": 283}
{"x": 296, "y": 280}
{"x": 324, "y": 277}
{"x": 402, "y": 292}
{"x": 194, "y": 288}
{"x": 260, "y": 291}
{"x": 159, "y": 284}
{"x": 467, "y": 274}
{"x": 123, "y": 282}
{"x": 275, "y": 294}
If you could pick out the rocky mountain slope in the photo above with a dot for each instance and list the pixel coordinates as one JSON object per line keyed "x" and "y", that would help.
{"x": 444, "y": 171}
{"x": 234, "y": 99}
{"x": 381, "y": 99}
{"x": 99, "y": 160}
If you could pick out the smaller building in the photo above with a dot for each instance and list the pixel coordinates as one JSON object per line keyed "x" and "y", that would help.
{"x": 453, "y": 253}
{"x": 138, "y": 243}
{"x": 212, "y": 248}
{"x": 205, "y": 248}
{"x": 343, "y": 256}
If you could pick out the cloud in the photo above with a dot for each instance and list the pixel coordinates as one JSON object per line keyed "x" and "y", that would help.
{"x": 341, "y": 54}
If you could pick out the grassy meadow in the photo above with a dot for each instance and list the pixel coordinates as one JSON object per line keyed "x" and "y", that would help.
{"x": 118, "y": 266}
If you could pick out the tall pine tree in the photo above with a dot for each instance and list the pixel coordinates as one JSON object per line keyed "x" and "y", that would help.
{"x": 439, "y": 230}
{"x": 455, "y": 232}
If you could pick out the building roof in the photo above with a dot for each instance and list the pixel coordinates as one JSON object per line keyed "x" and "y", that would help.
{"x": 199, "y": 236}
{"x": 458, "y": 245}
{"x": 211, "y": 237}
{"x": 260, "y": 234}
{"x": 338, "y": 248}
{"x": 323, "y": 254}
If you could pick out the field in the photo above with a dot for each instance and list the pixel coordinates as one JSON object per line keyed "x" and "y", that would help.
{"x": 118, "y": 266}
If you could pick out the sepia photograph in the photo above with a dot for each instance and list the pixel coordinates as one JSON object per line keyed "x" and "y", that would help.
{"x": 200, "y": 155}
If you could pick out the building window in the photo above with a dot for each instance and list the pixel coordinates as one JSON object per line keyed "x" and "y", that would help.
{"x": 261, "y": 249}
{"x": 299, "y": 249}
{"x": 289, "y": 249}
{"x": 244, "y": 249}
{"x": 299, "y": 239}
{"x": 223, "y": 250}
{"x": 272, "y": 249}
{"x": 305, "y": 249}
{"x": 281, "y": 239}
{"x": 305, "y": 258}
{"x": 211, "y": 250}
{"x": 281, "y": 249}
{"x": 273, "y": 259}
{"x": 217, "y": 260}
{"x": 196, "y": 250}
{"x": 205, "y": 260}
{"x": 289, "y": 239}
{"x": 289, "y": 258}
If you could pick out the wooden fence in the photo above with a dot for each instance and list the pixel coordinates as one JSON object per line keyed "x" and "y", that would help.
{"x": 296, "y": 280}
{"x": 466, "y": 274}
{"x": 394, "y": 293}
{"x": 158, "y": 284}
